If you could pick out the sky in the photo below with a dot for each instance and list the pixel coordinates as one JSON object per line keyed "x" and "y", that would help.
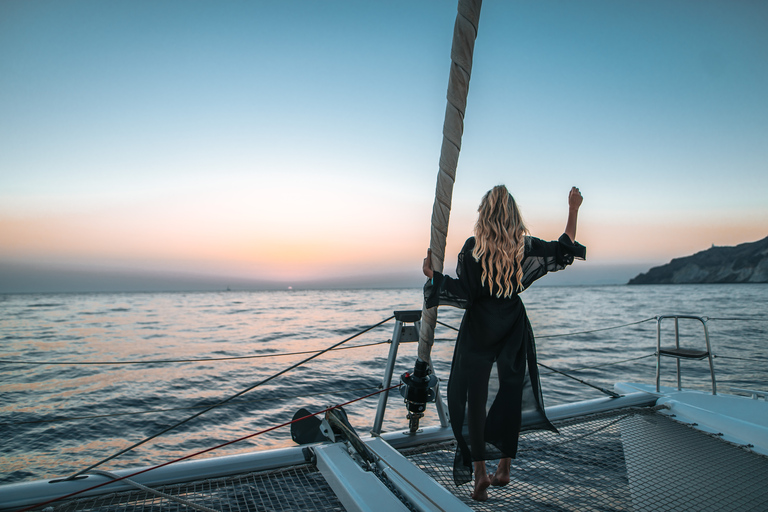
{"x": 180, "y": 143}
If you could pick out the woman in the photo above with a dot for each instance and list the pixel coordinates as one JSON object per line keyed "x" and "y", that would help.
{"x": 494, "y": 267}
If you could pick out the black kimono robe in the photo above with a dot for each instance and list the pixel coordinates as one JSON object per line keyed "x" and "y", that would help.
{"x": 487, "y": 414}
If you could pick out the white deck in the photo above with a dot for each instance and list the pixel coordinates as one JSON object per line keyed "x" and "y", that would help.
{"x": 741, "y": 420}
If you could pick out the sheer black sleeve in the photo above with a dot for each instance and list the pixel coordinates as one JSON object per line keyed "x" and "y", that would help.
{"x": 542, "y": 257}
{"x": 459, "y": 292}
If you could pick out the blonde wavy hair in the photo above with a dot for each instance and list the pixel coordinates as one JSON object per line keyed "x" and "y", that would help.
{"x": 500, "y": 242}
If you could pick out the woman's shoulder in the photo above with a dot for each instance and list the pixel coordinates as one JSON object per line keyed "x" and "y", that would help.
{"x": 531, "y": 242}
{"x": 465, "y": 255}
{"x": 536, "y": 246}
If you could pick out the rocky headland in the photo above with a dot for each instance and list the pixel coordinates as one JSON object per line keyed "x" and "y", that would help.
{"x": 743, "y": 263}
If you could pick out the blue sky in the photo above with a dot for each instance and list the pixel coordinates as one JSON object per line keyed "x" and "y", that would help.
{"x": 296, "y": 140}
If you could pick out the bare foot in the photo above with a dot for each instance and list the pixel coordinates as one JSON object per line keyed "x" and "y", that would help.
{"x": 481, "y": 484}
{"x": 499, "y": 480}
{"x": 501, "y": 477}
{"x": 482, "y": 481}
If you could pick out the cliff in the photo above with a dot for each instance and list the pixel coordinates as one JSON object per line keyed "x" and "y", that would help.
{"x": 744, "y": 263}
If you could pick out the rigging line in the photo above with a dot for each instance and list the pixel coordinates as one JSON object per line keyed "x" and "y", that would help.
{"x": 607, "y": 364}
{"x": 757, "y": 358}
{"x": 161, "y": 361}
{"x": 135, "y": 413}
{"x": 31, "y": 507}
{"x": 177, "y": 424}
{"x": 746, "y": 318}
{"x": 574, "y": 333}
{"x": 606, "y": 391}
{"x": 446, "y": 325}
{"x": 595, "y": 330}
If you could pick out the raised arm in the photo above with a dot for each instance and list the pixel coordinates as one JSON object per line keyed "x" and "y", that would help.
{"x": 574, "y": 202}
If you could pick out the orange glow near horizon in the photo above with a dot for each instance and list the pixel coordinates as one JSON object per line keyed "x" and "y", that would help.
{"x": 664, "y": 241}
{"x": 271, "y": 254}
{"x": 183, "y": 156}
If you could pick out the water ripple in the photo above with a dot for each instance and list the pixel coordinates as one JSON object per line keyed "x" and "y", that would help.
{"x": 119, "y": 405}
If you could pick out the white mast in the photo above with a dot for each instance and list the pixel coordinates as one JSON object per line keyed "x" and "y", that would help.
{"x": 464, "y": 34}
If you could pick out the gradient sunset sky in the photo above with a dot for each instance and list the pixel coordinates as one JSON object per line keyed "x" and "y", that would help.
{"x": 299, "y": 140}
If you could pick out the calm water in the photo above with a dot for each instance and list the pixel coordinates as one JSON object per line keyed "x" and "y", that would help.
{"x": 58, "y": 418}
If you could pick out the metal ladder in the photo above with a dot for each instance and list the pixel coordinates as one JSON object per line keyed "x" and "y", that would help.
{"x": 682, "y": 353}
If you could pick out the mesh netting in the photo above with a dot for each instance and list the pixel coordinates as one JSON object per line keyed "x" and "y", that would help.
{"x": 628, "y": 460}
{"x": 297, "y": 488}
{"x": 661, "y": 465}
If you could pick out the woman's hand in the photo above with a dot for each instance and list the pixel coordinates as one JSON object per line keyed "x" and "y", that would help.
{"x": 574, "y": 199}
{"x": 574, "y": 202}
{"x": 426, "y": 266}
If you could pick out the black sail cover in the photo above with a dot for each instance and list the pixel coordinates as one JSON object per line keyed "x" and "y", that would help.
{"x": 494, "y": 391}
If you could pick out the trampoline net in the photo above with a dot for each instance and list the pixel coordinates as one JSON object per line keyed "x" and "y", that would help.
{"x": 298, "y": 488}
{"x": 626, "y": 460}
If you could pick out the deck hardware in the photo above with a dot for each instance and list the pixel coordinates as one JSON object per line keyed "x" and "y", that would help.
{"x": 309, "y": 455}
{"x": 327, "y": 430}
{"x": 418, "y": 388}
{"x": 402, "y": 334}
{"x": 753, "y": 394}
{"x": 682, "y": 353}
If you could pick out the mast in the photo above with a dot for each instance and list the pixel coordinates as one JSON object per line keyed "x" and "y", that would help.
{"x": 464, "y": 35}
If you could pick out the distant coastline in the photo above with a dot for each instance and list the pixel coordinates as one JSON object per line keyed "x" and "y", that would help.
{"x": 743, "y": 263}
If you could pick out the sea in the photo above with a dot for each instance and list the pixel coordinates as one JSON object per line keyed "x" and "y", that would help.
{"x": 87, "y": 375}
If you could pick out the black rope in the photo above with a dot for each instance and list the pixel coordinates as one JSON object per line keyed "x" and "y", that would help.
{"x": 610, "y": 364}
{"x": 573, "y": 333}
{"x": 603, "y": 390}
{"x": 163, "y": 361}
{"x": 595, "y": 330}
{"x": 744, "y": 319}
{"x": 448, "y": 326}
{"x": 606, "y": 391}
{"x": 281, "y": 372}
{"x": 758, "y": 358}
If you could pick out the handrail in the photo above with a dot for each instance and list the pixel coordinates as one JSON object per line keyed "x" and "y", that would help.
{"x": 679, "y": 353}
